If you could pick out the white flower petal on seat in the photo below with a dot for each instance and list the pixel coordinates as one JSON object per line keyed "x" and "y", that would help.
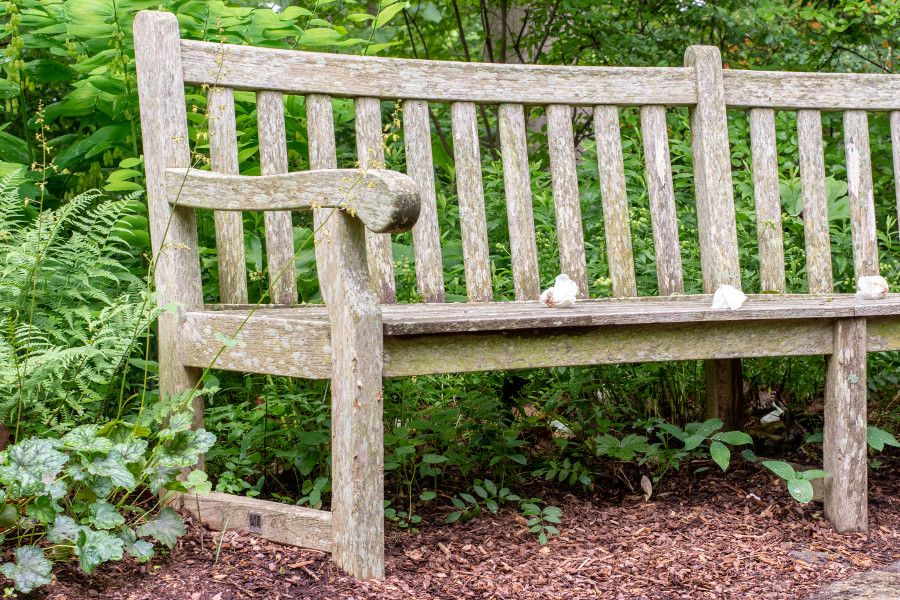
{"x": 562, "y": 294}
{"x": 729, "y": 297}
{"x": 871, "y": 287}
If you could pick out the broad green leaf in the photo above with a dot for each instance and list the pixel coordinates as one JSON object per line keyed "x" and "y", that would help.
{"x": 693, "y": 441}
{"x": 31, "y": 569}
{"x": 813, "y": 474}
{"x": 84, "y": 438}
{"x": 735, "y": 438}
{"x": 45, "y": 70}
{"x": 388, "y": 13}
{"x": 197, "y": 482}
{"x": 720, "y": 454}
{"x": 64, "y": 529}
{"x": 141, "y": 550}
{"x": 31, "y": 464}
{"x": 879, "y": 438}
{"x": 8, "y": 89}
{"x": 95, "y": 548}
{"x": 480, "y": 491}
{"x": 104, "y": 515}
{"x": 801, "y": 490}
{"x": 491, "y": 487}
{"x": 114, "y": 468}
{"x": 427, "y": 495}
{"x": 8, "y": 516}
{"x": 434, "y": 459}
{"x": 453, "y": 517}
{"x": 780, "y": 468}
{"x": 319, "y": 36}
{"x": 42, "y": 508}
{"x": 492, "y": 505}
{"x": 165, "y": 528}
{"x": 295, "y": 12}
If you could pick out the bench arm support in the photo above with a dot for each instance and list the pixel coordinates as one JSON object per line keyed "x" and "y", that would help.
{"x": 385, "y": 201}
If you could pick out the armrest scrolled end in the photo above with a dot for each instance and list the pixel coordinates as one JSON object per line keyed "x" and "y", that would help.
{"x": 390, "y": 203}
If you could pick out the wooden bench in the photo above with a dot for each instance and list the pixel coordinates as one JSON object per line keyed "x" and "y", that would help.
{"x": 362, "y": 335}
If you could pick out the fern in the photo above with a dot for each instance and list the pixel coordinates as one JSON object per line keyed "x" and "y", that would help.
{"x": 69, "y": 307}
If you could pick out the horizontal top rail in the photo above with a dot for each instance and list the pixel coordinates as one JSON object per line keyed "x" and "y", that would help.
{"x": 822, "y": 91}
{"x": 296, "y": 72}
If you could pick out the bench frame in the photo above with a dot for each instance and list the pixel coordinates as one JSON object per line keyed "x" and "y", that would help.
{"x": 351, "y": 348}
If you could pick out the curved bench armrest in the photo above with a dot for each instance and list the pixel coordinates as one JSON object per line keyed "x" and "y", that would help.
{"x": 385, "y": 201}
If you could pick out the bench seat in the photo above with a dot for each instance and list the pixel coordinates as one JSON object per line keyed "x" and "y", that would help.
{"x": 464, "y": 337}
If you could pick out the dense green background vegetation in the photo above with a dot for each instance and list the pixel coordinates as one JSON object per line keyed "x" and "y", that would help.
{"x": 75, "y": 347}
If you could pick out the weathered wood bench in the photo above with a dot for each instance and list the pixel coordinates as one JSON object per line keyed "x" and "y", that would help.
{"x": 362, "y": 335}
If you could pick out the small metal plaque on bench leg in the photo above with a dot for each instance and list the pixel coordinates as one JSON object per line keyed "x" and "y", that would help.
{"x": 255, "y": 522}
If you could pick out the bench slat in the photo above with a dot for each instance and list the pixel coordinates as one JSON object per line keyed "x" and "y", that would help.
{"x": 859, "y": 188}
{"x": 566, "y": 202}
{"x": 370, "y": 154}
{"x": 426, "y": 234}
{"x": 712, "y": 172}
{"x": 279, "y": 229}
{"x": 519, "y": 210}
{"x": 223, "y": 156}
{"x": 767, "y": 194}
{"x": 815, "y": 207}
{"x": 470, "y": 191}
{"x": 322, "y": 155}
{"x": 669, "y": 274}
{"x": 614, "y": 198}
{"x": 895, "y": 144}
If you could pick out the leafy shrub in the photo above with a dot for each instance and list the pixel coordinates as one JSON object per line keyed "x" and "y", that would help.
{"x": 95, "y": 494}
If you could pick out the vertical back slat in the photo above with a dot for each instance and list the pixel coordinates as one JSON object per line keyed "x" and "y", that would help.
{"x": 223, "y": 157}
{"x": 519, "y": 211}
{"x": 566, "y": 202}
{"x": 712, "y": 172}
{"x": 322, "y": 155}
{"x": 470, "y": 190}
{"x": 895, "y": 144}
{"x": 279, "y": 229}
{"x": 815, "y": 207}
{"x": 370, "y": 153}
{"x": 768, "y": 200}
{"x": 669, "y": 274}
{"x": 426, "y": 234}
{"x": 615, "y": 201}
{"x": 859, "y": 188}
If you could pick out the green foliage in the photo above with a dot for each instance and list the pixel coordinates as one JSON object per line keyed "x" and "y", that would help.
{"x": 798, "y": 482}
{"x": 93, "y": 493}
{"x": 69, "y": 306}
{"x": 542, "y": 521}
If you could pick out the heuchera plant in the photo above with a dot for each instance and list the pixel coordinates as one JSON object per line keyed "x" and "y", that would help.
{"x": 97, "y": 493}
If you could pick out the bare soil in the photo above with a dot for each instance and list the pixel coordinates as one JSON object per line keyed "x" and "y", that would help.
{"x": 718, "y": 537}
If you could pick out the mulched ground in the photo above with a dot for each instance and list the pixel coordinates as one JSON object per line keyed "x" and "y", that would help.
{"x": 736, "y": 537}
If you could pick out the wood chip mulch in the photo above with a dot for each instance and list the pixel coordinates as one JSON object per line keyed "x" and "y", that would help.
{"x": 732, "y": 537}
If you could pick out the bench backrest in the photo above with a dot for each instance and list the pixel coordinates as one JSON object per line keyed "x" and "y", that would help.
{"x": 166, "y": 64}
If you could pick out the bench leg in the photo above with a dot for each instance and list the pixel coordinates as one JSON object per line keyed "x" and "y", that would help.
{"x": 724, "y": 391}
{"x": 174, "y": 377}
{"x": 357, "y": 430}
{"x": 844, "y": 443}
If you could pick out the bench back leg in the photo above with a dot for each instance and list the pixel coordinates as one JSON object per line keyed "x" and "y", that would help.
{"x": 844, "y": 444}
{"x": 173, "y": 230}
